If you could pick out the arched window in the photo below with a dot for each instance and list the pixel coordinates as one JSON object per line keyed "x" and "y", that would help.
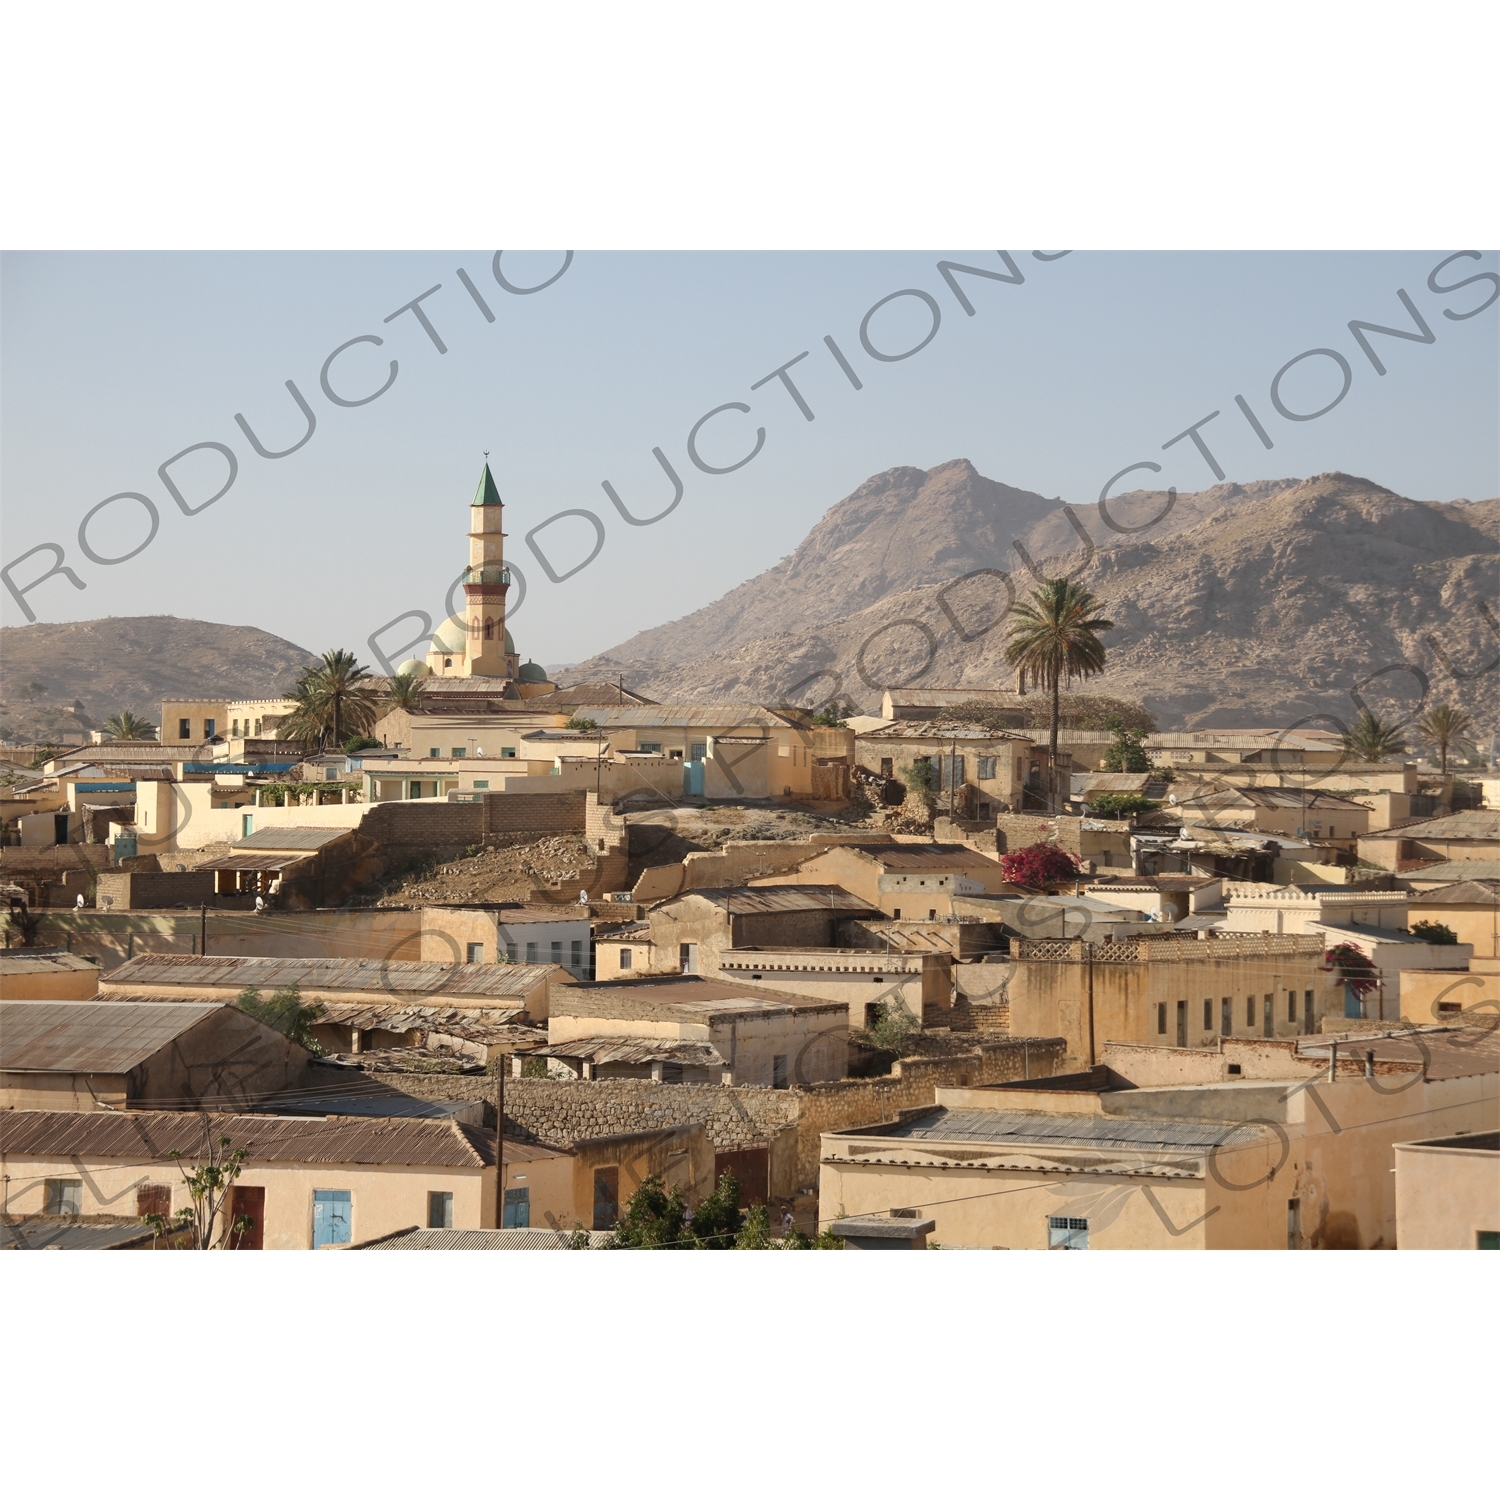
{"x": 489, "y": 630}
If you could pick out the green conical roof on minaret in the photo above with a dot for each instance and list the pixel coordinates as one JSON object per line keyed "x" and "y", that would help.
{"x": 487, "y": 494}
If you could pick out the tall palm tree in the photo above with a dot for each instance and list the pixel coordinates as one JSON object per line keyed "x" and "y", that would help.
{"x": 333, "y": 702}
{"x": 127, "y": 726}
{"x": 1372, "y": 740}
{"x": 405, "y": 691}
{"x": 1054, "y": 637}
{"x": 1447, "y": 728}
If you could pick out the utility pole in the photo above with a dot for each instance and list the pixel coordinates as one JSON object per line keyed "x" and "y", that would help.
{"x": 952, "y": 775}
{"x": 203, "y": 929}
{"x": 1088, "y": 949}
{"x": 502, "y": 1066}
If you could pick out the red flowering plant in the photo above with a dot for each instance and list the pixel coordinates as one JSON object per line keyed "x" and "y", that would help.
{"x": 1039, "y": 866}
{"x": 1353, "y": 967}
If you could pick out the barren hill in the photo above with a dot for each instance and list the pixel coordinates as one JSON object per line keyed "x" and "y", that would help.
{"x": 132, "y": 663}
{"x": 1247, "y": 604}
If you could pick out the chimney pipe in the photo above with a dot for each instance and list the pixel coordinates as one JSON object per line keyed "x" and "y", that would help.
{"x": 1333, "y": 1060}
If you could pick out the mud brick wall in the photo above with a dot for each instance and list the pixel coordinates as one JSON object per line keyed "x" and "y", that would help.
{"x": 540, "y": 813}
{"x": 141, "y": 890}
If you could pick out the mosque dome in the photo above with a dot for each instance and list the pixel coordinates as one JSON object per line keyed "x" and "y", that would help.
{"x": 451, "y": 636}
{"x": 531, "y": 672}
{"x": 413, "y": 668}
{"x": 510, "y": 644}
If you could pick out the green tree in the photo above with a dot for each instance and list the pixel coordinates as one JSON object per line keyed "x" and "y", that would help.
{"x": 209, "y": 1178}
{"x": 127, "y": 726}
{"x": 892, "y": 1029}
{"x": 332, "y": 701}
{"x": 1127, "y": 751}
{"x": 717, "y": 1220}
{"x": 286, "y": 1012}
{"x": 1445, "y": 728}
{"x": 1437, "y": 933}
{"x": 797, "y": 1239}
{"x": 755, "y": 1233}
{"x": 921, "y": 778}
{"x": 655, "y": 1218}
{"x": 579, "y": 725}
{"x": 1371, "y": 739}
{"x": 357, "y": 742}
{"x": 1121, "y": 804}
{"x": 405, "y": 691}
{"x": 1053, "y": 638}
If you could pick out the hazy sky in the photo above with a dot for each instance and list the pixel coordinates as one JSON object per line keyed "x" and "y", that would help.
{"x": 112, "y": 363}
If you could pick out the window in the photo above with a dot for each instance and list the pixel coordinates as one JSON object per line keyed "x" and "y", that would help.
{"x": 153, "y": 1198}
{"x": 517, "y": 1209}
{"x": 234, "y": 727}
{"x": 332, "y": 1212}
{"x": 648, "y": 747}
{"x": 210, "y": 728}
{"x": 476, "y": 953}
{"x": 1182, "y": 1023}
{"x": 247, "y": 825}
{"x": 440, "y": 1210}
{"x": 459, "y": 751}
{"x": 1291, "y": 1005}
{"x": 986, "y": 767}
{"x": 489, "y": 630}
{"x": 510, "y": 952}
{"x": 606, "y": 1197}
{"x": 507, "y": 752}
{"x": 1294, "y": 1223}
{"x": 575, "y": 954}
{"x": 481, "y": 786}
{"x": 257, "y": 726}
{"x": 434, "y": 753}
{"x": 950, "y": 771}
{"x": 531, "y": 953}
{"x": 1307, "y": 1010}
{"x": 887, "y": 767}
{"x": 1208, "y": 1015}
{"x": 627, "y": 957}
{"x": 897, "y": 914}
{"x": 557, "y": 953}
{"x": 1488, "y": 1239}
{"x": 64, "y": 1196}
{"x": 698, "y": 750}
{"x": 1249, "y": 1010}
{"x": 1226, "y": 1017}
{"x": 778, "y": 1072}
{"x": 330, "y": 773}
{"x": 1067, "y": 1234}
{"x": 1332, "y": 831}
{"x": 1268, "y": 1016}
{"x": 1161, "y": 1019}
{"x": 687, "y": 957}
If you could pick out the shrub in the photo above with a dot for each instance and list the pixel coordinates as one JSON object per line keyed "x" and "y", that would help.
{"x": 285, "y": 1012}
{"x": 1438, "y": 933}
{"x": 1126, "y": 752}
{"x": 1039, "y": 865}
{"x": 1121, "y": 804}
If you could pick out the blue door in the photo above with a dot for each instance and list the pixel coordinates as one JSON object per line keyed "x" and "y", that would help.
{"x": 692, "y": 778}
{"x": 332, "y": 1216}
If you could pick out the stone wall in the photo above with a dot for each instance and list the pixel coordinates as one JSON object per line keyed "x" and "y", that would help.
{"x": 122, "y": 890}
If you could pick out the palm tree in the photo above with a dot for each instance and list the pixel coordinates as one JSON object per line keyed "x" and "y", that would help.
{"x": 333, "y": 702}
{"x": 405, "y": 691}
{"x": 1054, "y": 637}
{"x": 126, "y": 726}
{"x": 1370, "y": 740}
{"x": 1447, "y": 728}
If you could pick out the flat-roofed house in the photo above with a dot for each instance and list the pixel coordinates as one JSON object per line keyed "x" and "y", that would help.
{"x": 902, "y": 880}
{"x": 1472, "y": 835}
{"x": 46, "y": 974}
{"x": 977, "y": 772}
{"x": 1448, "y": 1193}
{"x": 301, "y": 867}
{"x": 95, "y": 1054}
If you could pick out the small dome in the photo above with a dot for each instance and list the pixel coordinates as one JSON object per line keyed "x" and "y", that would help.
{"x": 451, "y": 636}
{"x": 413, "y": 668}
{"x": 532, "y": 673}
{"x": 510, "y": 644}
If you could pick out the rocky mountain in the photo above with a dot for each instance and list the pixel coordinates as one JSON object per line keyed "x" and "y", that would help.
{"x": 60, "y": 678}
{"x": 1253, "y": 604}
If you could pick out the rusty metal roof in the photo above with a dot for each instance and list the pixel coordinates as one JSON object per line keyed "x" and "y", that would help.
{"x": 633, "y": 1049}
{"x": 90, "y": 1036}
{"x": 36, "y": 1232}
{"x": 1473, "y": 824}
{"x": 253, "y": 862}
{"x": 940, "y": 729}
{"x": 692, "y": 716}
{"x": 290, "y": 838}
{"x": 394, "y": 977}
{"x": 484, "y": 1239}
{"x": 475, "y": 1023}
{"x": 742, "y": 901}
{"x": 135, "y": 1135}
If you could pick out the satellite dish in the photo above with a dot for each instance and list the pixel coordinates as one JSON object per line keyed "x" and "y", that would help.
{"x": 1172, "y": 798}
{"x": 583, "y": 898}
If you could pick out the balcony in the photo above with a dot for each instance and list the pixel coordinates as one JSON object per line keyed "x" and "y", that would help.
{"x": 499, "y": 577}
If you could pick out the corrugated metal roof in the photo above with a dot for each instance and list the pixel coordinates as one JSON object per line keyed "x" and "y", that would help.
{"x": 617, "y": 1049}
{"x": 291, "y": 838}
{"x": 386, "y": 1106}
{"x": 394, "y": 977}
{"x": 728, "y": 716}
{"x": 1475, "y": 824}
{"x": 70, "y": 1234}
{"x": 685, "y": 994}
{"x": 132, "y": 1135}
{"x": 1454, "y": 870}
{"x": 41, "y": 961}
{"x": 1079, "y": 1130}
{"x": 952, "y": 857}
{"x": 483, "y": 1239}
{"x": 90, "y": 1036}
{"x": 1462, "y": 893}
{"x": 941, "y": 729}
{"x": 742, "y": 901}
{"x": 253, "y": 862}
{"x": 476, "y": 1024}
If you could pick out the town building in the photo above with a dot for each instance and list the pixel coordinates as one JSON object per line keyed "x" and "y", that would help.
{"x": 1448, "y": 1192}
{"x": 1257, "y": 1145}
{"x": 46, "y": 974}
{"x": 974, "y": 772}
{"x": 84, "y": 1055}
{"x": 914, "y": 880}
